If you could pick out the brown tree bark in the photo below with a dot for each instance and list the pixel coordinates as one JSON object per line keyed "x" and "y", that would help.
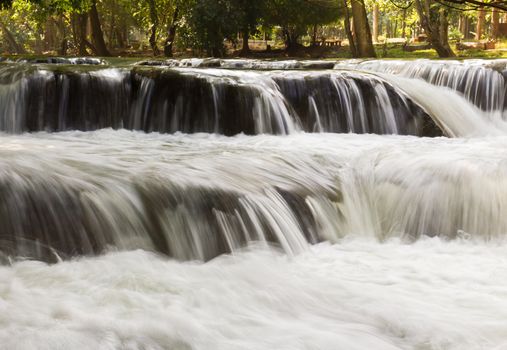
{"x": 495, "y": 24}
{"x": 245, "y": 49}
{"x": 63, "y": 41}
{"x": 99, "y": 45}
{"x": 443, "y": 26}
{"x": 404, "y": 24}
{"x": 82, "y": 21}
{"x": 154, "y": 27}
{"x": 171, "y": 34}
{"x": 466, "y": 27}
{"x": 376, "y": 15}
{"x": 481, "y": 17}
{"x": 50, "y": 36}
{"x": 348, "y": 30}
{"x": 292, "y": 36}
{"x": 433, "y": 27}
{"x": 364, "y": 42}
{"x": 314, "y": 34}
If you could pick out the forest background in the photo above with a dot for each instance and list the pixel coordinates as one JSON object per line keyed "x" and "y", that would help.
{"x": 254, "y": 28}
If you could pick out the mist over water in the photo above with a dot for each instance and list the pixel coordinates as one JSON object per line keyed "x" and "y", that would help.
{"x": 299, "y": 208}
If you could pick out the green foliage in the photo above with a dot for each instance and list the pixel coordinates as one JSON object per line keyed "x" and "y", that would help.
{"x": 295, "y": 16}
{"x": 212, "y": 21}
{"x": 455, "y": 34}
{"x": 203, "y": 26}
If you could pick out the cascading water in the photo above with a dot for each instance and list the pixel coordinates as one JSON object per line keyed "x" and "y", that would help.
{"x": 451, "y": 111}
{"x": 327, "y": 232}
{"x": 484, "y": 83}
{"x": 218, "y": 101}
{"x": 191, "y": 202}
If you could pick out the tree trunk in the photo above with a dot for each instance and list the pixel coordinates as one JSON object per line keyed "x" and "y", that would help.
{"x": 461, "y": 25}
{"x": 76, "y": 35}
{"x": 362, "y": 30}
{"x": 314, "y": 35}
{"x": 481, "y": 17}
{"x": 99, "y": 45}
{"x": 39, "y": 43}
{"x": 119, "y": 37}
{"x": 216, "y": 52}
{"x": 291, "y": 39}
{"x": 154, "y": 27}
{"x": 245, "y": 50}
{"x": 495, "y": 24}
{"x": 466, "y": 26}
{"x": 375, "y": 23}
{"x": 404, "y": 24}
{"x": 348, "y": 30}
{"x": 63, "y": 42}
{"x": 82, "y": 21}
{"x": 433, "y": 27}
{"x": 49, "y": 34}
{"x": 171, "y": 35}
{"x": 443, "y": 27}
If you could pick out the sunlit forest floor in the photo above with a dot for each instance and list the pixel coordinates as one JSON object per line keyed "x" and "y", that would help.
{"x": 391, "y": 50}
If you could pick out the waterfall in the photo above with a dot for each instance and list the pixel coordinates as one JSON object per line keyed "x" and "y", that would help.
{"x": 452, "y": 112}
{"x": 74, "y": 193}
{"x": 482, "y": 82}
{"x": 248, "y": 204}
{"x": 85, "y": 191}
{"x": 212, "y": 100}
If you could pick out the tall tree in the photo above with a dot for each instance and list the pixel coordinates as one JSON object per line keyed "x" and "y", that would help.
{"x": 211, "y": 22}
{"x": 248, "y": 15}
{"x": 171, "y": 33}
{"x": 154, "y": 27}
{"x": 79, "y": 31}
{"x": 348, "y": 29}
{"x": 362, "y": 32}
{"x": 99, "y": 44}
{"x": 296, "y": 16}
{"x": 433, "y": 18}
{"x": 495, "y": 24}
{"x": 481, "y": 18}
{"x": 376, "y": 14}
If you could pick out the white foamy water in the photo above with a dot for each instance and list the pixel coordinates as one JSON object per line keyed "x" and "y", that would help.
{"x": 300, "y": 241}
{"x": 378, "y": 282}
{"x": 378, "y": 186}
{"x": 355, "y": 295}
{"x": 480, "y": 81}
{"x": 451, "y": 111}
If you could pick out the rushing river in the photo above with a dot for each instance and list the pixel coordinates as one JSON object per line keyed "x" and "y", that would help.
{"x": 358, "y": 294}
{"x": 360, "y": 207}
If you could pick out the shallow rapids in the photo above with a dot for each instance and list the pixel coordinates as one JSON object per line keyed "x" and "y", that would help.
{"x": 198, "y": 196}
{"x": 355, "y": 295}
{"x": 117, "y": 237}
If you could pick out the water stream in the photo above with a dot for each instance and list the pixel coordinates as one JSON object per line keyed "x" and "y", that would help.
{"x": 208, "y": 204}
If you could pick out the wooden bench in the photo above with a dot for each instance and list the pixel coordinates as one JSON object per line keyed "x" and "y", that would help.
{"x": 331, "y": 43}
